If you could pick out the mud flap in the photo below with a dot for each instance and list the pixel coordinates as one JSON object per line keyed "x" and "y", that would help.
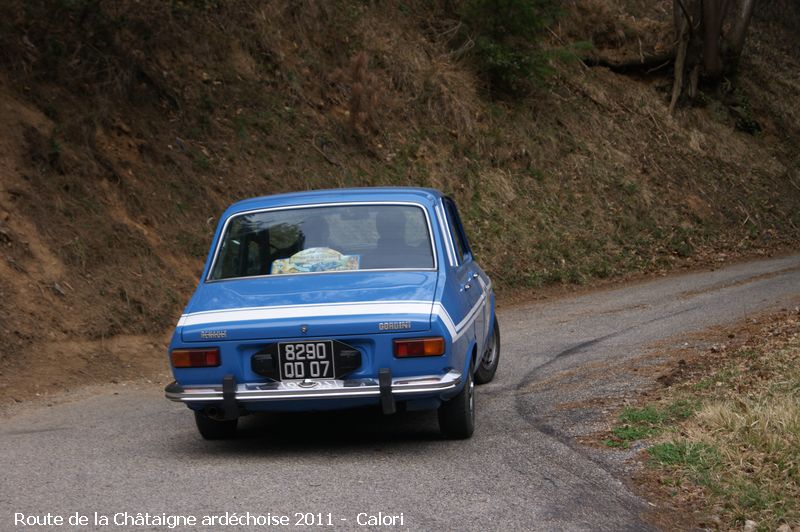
{"x": 230, "y": 410}
{"x": 385, "y": 385}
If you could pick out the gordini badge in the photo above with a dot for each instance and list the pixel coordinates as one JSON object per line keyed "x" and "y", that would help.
{"x": 394, "y": 325}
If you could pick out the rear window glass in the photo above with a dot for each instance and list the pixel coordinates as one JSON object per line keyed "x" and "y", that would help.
{"x": 322, "y": 239}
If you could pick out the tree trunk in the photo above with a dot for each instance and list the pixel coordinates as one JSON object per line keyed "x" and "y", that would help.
{"x": 703, "y": 48}
{"x": 683, "y": 27}
{"x": 714, "y": 12}
{"x": 743, "y": 17}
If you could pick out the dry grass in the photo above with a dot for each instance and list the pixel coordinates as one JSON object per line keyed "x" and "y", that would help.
{"x": 742, "y": 447}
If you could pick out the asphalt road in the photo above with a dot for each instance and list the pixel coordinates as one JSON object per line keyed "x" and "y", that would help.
{"x": 135, "y": 452}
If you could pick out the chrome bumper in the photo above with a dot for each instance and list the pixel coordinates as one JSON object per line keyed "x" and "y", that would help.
{"x": 318, "y": 389}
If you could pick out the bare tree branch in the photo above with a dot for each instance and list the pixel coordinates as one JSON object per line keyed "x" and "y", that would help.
{"x": 678, "y": 9}
{"x": 638, "y": 63}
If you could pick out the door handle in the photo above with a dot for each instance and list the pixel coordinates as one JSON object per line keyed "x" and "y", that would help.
{"x": 467, "y": 286}
{"x": 475, "y": 275}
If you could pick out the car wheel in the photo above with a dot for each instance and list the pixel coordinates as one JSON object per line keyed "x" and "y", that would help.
{"x": 214, "y": 429}
{"x": 457, "y": 416}
{"x": 487, "y": 366}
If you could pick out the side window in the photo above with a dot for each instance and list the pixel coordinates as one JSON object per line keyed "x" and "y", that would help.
{"x": 463, "y": 253}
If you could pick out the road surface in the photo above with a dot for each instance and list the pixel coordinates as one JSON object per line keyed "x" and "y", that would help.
{"x": 135, "y": 452}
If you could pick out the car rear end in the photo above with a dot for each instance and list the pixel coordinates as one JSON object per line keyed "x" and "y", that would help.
{"x": 330, "y": 355}
{"x": 315, "y": 307}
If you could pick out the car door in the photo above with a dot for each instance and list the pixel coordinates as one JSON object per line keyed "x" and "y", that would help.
{"x": 466, "y": 277}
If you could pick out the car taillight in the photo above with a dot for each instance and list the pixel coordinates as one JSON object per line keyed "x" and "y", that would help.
{"x": 195, "y": 358}
{"x": 419, "y": 347}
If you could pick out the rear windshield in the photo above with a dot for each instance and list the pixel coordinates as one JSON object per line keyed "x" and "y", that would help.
{"x": 324, "y": 239}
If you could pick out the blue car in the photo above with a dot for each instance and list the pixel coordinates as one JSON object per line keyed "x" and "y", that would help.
{"x": 337, "y": 299}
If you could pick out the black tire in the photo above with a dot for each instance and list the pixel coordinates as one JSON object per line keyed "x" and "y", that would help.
{"x": 457, "y": 416}
{"x": 214, "y": 429}
{"x": 487, "y": 365}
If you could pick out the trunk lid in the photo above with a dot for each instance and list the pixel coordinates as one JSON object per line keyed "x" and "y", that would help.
{"x": 326, "y": 305}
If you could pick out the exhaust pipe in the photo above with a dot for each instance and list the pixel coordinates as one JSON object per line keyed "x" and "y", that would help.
{"x": 229, "y": 409}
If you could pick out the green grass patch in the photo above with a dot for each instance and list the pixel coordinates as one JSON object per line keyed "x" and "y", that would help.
{"x": 642, "y": 423}
{"x": 695, "y": 456}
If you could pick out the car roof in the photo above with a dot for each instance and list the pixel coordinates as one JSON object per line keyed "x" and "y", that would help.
{"x": 425, "y": 196}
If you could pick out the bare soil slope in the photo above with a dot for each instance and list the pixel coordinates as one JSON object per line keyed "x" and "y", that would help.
{"x": 127, "y": 127}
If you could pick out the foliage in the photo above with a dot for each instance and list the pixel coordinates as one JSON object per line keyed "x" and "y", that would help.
{"x": 506, "y": 37}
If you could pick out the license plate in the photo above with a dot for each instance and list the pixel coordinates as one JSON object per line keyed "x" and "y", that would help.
{"x": 306, "y": 360}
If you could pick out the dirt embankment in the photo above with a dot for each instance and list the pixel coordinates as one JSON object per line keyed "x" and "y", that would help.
{"x": 129, "y": 126}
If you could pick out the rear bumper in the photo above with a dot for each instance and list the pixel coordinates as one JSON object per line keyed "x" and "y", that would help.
{"x": 401, "y": 387}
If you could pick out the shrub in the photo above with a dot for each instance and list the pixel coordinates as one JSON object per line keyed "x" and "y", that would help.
{"x": 505, "y": 37}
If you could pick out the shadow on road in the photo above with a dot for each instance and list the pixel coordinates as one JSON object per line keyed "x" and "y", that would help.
{"x": 300, "y": 433}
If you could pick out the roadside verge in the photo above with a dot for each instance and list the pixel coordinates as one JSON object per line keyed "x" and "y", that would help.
{"x": 717, "y": 444}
